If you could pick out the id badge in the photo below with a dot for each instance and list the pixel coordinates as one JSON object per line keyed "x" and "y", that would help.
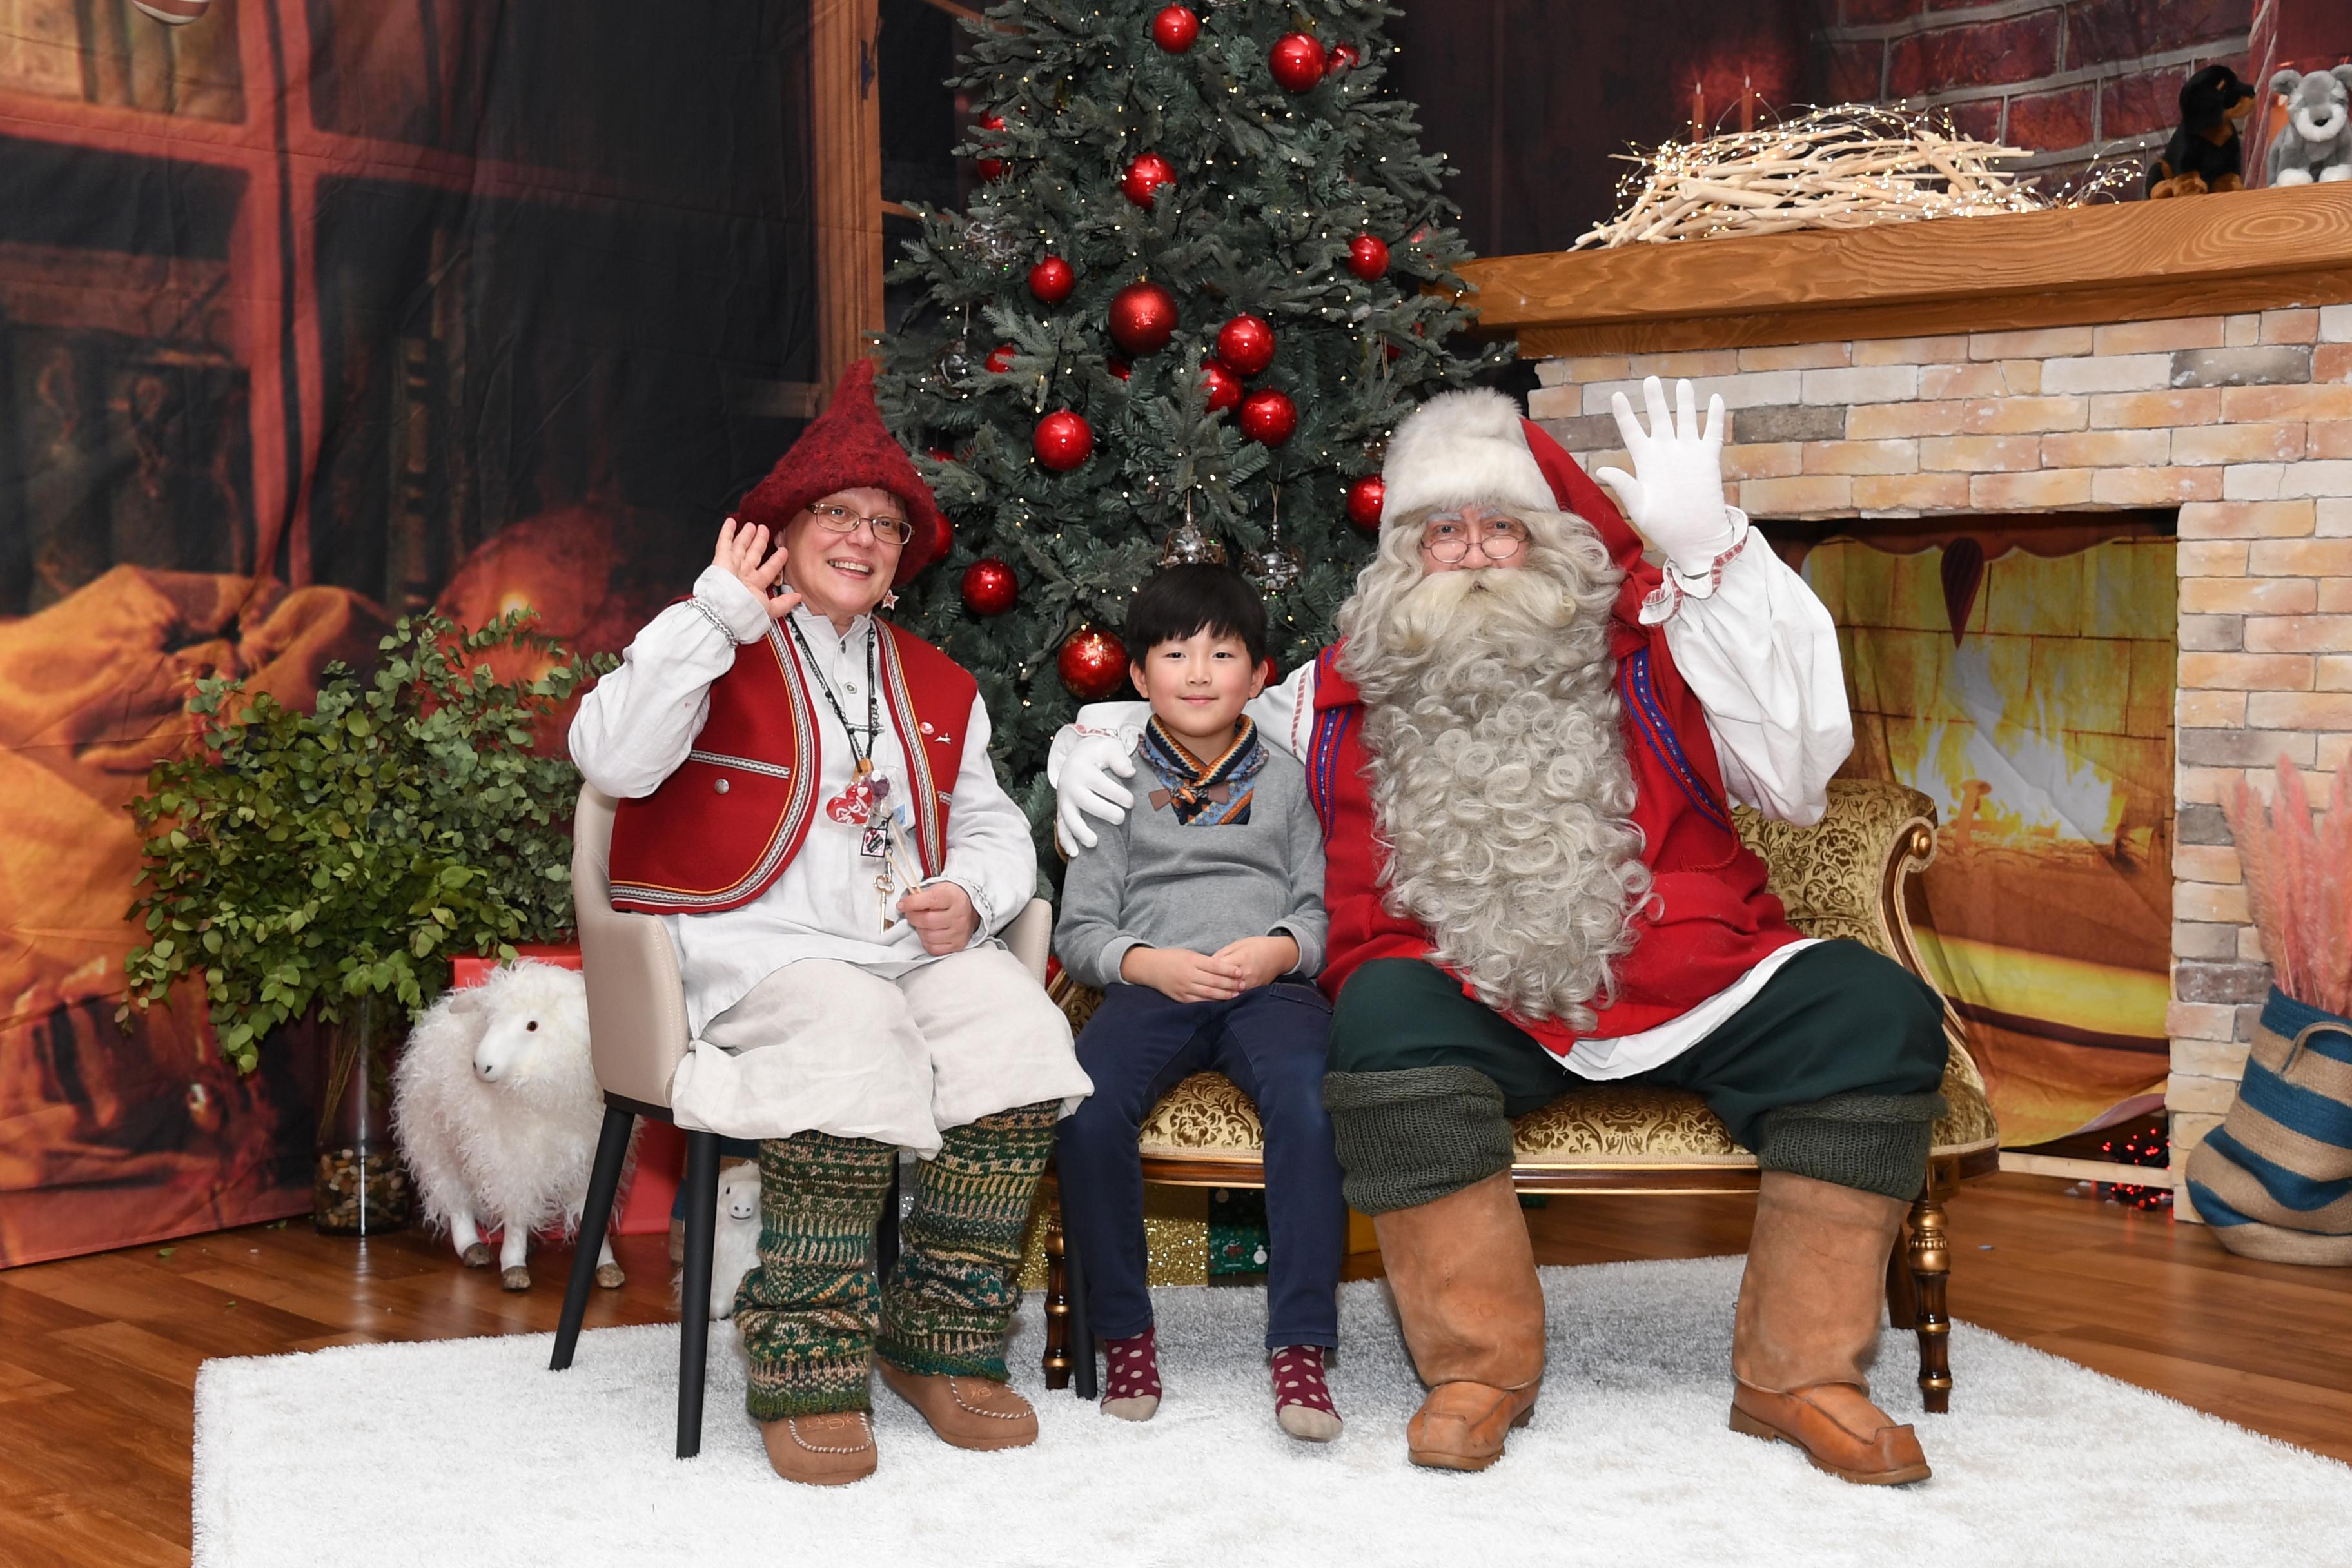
{"x": 873, "y": 844}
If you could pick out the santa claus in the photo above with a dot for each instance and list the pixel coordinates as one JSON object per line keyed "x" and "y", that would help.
{"x": 1522, "y": 749}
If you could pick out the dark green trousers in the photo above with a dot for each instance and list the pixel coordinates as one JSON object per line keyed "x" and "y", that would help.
{"x": 1830, "y": 1071}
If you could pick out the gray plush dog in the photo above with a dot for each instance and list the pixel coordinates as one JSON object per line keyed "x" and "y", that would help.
{"x": 2315, "y": 143}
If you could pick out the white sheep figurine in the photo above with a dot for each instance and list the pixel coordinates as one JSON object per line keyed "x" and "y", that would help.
{"x": 735, "y": 1241}
{"x": 496, "y": 1105}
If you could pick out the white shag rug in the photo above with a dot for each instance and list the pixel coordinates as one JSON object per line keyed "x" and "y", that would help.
{"x": 471, "y": 1452}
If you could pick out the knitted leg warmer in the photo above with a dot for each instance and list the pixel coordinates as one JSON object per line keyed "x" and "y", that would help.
{"x": 1872, "y": 1142}
{"x": 1414, "y": 1136}
{"x": 806, "y": 1314}
{"x": 948, "y": 1304}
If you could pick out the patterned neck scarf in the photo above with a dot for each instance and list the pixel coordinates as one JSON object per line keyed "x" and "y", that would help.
{"x": 1204, "y": 795}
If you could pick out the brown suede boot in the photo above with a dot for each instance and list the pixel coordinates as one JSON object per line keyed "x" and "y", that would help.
{"x": 821, "y": 1450}
{"x": 1809, "y": 1308}
{"x": 1464, "y": 1279}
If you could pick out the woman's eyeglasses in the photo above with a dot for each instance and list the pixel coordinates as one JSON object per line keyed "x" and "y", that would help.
{"x": 840, "y": 520}
{"x": 1499, "y": 539}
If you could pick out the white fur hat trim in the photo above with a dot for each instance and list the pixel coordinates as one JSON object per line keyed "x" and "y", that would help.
{"x": 1459, "y": 447}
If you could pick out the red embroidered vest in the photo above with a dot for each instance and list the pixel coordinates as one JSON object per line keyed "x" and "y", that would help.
{"x": 1710, "y": 919}
{"x": 722, "y": 829}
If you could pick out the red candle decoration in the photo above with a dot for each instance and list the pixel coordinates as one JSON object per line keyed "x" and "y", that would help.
{"x": 999, "y": 358}
{"x": 990, "y": 587}
{"x": 1365, "y": 498}
{"x": 1269, "y": 416}
{"x": 1367, "y": 256}
{"x": 1343, "y": 57}
{"x": 1247, "y": 345}
{"x": 1092, "y": 664}
{"x": 1296, "y": 60}
{"x": 1052, "y": 279}
{"x": 1144, "y": 178}
{"x": 1223, "y": 387}
{"x": 1142, "y": 317}
{"x": 1176, "y": 29}
{"x": 1062, "y": 440}
{"x": 990, "y": 169}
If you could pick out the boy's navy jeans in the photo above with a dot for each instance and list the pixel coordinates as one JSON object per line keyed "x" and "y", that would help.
{"x": 1141, "y": 1044}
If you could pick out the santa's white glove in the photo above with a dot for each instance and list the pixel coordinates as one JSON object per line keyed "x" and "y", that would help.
{"x": 1673, "y": 497}
{"x": 1087, "y": 789}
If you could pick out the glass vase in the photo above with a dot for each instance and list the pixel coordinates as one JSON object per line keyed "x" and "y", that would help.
{"x": 361, "y": 1187}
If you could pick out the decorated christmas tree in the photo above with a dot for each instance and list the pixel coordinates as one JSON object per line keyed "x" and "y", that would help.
{"x": 1193, "y": 293}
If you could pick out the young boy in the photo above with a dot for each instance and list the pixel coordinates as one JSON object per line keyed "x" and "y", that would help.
{"x": 1201, "y": 918}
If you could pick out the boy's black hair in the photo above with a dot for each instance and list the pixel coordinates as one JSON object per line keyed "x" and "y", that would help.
{"x": 1176, "y": 602}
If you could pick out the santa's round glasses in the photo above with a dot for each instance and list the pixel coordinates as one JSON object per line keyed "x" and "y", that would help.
{"x": 1450, "y": 538}
{"x": 842, "y": 520}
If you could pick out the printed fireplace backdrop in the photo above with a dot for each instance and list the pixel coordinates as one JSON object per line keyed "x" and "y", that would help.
{"x": 313, "y": 312}
{"x": 2018, "y": 671}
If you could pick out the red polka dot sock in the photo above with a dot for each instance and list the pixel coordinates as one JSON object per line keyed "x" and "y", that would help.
{"x": 1302, "y": 1402}
{"x": 1131, "y": 1377}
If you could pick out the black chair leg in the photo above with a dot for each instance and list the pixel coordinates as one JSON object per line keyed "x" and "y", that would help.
{"x": 595, "y": 1218}
{"x": 886, "y": 1230}
{"x": 694, "y": 1290}
{"x": 1082, "y": 1328}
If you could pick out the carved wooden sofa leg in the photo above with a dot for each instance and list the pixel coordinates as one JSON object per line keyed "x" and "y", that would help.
{"x": 1057, "y": 1297}
{"x": 1930, "y": 1257}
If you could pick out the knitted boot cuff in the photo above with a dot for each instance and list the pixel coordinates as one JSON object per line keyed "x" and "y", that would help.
{"x": 1872, "y": 1142}
{"x": 1410, "y": 1138}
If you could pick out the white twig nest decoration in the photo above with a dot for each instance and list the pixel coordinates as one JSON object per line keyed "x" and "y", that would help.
{"x": 1848, "y": 166}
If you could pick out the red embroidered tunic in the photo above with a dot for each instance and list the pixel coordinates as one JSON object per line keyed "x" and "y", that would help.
{"x": 723, "y": 827}
{"x": 1710, "y": 919}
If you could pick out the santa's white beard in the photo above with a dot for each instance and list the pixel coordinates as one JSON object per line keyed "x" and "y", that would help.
{"x": 1499, "y": 784}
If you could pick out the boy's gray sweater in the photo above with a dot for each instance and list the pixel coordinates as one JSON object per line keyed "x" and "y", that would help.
{"x": 1154, "y": 881}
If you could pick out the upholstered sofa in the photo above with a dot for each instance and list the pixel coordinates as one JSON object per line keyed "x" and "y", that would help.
{"x": 1843, "y": 877}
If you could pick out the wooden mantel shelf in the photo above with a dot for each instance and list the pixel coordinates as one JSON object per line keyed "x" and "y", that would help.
{"x": 2245, "y": 250}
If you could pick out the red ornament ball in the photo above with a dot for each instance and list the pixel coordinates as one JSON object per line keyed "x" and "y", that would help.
{"x": 1343, "y": 57}
{"x": 1365, "y": 498}
{"x": 990, "y": 587}
{"x": 1142, "y": 317}
{"x": 1144, "y": 177}
{"x": 1223, "y": 387}
{"x": 1119, "y": 367}
{"x": 1269, "y": 416}
{"x": 999, "y": 358}
{"x": 1296, "y": 60}
{"x": 1062, "y": 440}
{"x": 1367, "y": 256}
{"x": 1247, "y": 345}
{"x": 1092, "y": 664}
{"x": 1175, "y": 29}
{"x": 991, "y": 168}
{"x": 1052, "y": 279}
{"x": 941, "y": 454}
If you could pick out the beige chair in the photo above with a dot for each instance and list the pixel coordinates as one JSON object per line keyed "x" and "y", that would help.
{"x": 1846, "y": 877}
{"x": 637, "y": 1035}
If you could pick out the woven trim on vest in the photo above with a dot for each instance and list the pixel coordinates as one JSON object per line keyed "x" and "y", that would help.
{"x": 929, "y": 832}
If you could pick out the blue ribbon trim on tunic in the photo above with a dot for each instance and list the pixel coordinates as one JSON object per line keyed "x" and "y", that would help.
{"x": 1641, "y": 701}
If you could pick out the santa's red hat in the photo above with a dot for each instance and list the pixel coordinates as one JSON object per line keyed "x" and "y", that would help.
{"x": 848, "y": 447}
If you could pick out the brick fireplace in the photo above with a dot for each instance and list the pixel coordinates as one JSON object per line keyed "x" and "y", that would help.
{"x": 2078, "y": 367}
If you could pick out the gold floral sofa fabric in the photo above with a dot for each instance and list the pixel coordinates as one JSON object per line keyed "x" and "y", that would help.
{"x": 1841, "y": 877}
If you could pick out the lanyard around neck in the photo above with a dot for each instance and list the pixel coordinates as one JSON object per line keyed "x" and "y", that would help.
{"x": 864, "y": 759}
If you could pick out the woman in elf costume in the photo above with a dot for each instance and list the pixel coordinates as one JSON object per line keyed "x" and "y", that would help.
{"x": 807, "y": 802}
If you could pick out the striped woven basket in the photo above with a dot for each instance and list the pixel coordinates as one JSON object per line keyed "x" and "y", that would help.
{"x": 2274, "y": 1180}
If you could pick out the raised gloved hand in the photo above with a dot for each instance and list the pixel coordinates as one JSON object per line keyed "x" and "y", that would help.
{"x": 1673, "y": 497}
{"x": 1088, "y": 788}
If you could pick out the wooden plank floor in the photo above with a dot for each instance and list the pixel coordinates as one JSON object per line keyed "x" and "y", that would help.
{"x": 99, "y": 1355}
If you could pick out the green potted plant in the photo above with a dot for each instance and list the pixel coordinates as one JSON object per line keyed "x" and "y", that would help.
{"x": 329, "y": 865}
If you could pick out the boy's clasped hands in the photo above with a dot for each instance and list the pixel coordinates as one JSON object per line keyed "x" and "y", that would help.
{"x": 1182, "y": 976}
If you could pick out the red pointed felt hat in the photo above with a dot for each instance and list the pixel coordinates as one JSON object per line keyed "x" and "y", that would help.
{"x": 848, "y": 447}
